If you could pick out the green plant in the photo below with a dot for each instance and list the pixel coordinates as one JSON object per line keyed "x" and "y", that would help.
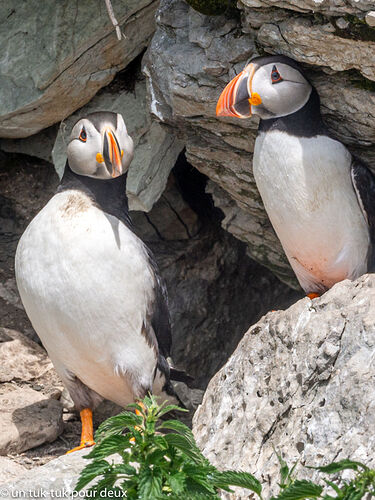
{"x": 159, "y": 459}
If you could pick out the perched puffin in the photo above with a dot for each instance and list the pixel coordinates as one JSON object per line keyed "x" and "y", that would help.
{"x": 319, "y": 198}
{"x": 90, "y": 286}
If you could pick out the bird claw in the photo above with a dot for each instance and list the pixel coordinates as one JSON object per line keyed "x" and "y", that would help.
{"x": 85, "y": 444}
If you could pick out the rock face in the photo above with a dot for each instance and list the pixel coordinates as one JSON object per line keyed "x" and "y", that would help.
{"x": 9, "y": 469}
{"x": 57, "y": 57}
{"x": 25, "y": 186}
{"x": 28, "y": 419}
{"x": 302, "y": 381}
{"x": 200, "y": 54}
{"x": 56, "y": 479}
{"x": 30, "y": 415}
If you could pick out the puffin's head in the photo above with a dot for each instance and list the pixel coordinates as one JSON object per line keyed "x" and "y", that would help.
{"x": 269, "y": 87}
{"x": 99, "y": 146}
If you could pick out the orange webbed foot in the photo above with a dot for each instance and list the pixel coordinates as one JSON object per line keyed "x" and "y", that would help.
{"x": 312, "y": 296}
{"x": 86, "y": 444}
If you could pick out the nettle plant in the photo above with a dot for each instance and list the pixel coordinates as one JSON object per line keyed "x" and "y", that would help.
{"x": 160, "y": 459}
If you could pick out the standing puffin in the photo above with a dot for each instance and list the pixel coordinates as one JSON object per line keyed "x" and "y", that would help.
{"x": 90, "y": 286}
{"x": 319, "y": 198}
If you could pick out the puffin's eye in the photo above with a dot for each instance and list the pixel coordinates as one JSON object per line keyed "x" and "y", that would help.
{"x": 83, "y": 135}
{"x": 275, "y": 75}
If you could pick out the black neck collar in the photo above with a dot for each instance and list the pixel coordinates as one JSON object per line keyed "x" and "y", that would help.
{"x": 109, "y": 195}
{"x": 306, "y": 122}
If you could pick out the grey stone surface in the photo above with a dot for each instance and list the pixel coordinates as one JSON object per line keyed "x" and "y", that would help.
{"x": 56, "y": 58}
{"x": 332, "y": 7}
{"x": 39, "y": 145}
{"x": 215, "y": 290}
{"x": 370, "y": 18}
{"x": 20, "y": 358}
{"x": 28, "y": 419}
{"x": 318, "y": 44}
{"x": 9, "y": 469}
{"x": 302, "y": 381}
{"x": 192, "y": 57}
{"x": 26, "y": 184}
{"x": 156, "y": 148}
{"x": 58, "y": 477}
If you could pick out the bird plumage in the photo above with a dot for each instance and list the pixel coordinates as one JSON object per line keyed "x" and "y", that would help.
{"x": 90, "y": 286}
{"x": 319, "y": 198}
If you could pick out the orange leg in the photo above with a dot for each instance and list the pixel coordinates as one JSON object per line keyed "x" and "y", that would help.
{"x": 313, "y": 295}
{"x": 87, "y": 435}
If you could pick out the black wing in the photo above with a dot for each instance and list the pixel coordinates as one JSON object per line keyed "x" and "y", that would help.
{"x": 364, "y": 185}
{"x": 161, "y": 325}
{"x": 160, "y": 318}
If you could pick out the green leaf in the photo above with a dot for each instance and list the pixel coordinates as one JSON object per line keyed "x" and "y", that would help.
{"x": 176, "y": 425}
{"x": 284, "y": 469}
{"x": 117, "y": 424}
{"x": 91, "y": 472}
{"x": 177, "y": 482}
{"x": 109, "y": 446}
{"x": 299, "y": 490}
{"x": 150, "y": 483}
{"x": 169, "y": 408}
{"x": 183, "y": 444}
{"x": 234, "y": 478}
{"x": 124, "y": 469}
{"x": 334, "y": 467}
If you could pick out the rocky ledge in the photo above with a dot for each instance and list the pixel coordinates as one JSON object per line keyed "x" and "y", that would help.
{"x": 302, "y": 382}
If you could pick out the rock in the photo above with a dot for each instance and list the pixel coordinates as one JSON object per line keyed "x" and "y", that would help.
{"x": 370, "y": 18}
{"x": 56, "y": 479}
{"x": 59, "y": 56}
{"x": 215, "y": 290}
{"x": 301, "y": 381}
{"x": 192, "y": 57}
{"x": 27, "y": 420}
{"x": 39, "y": 145}
{"x": 318, "y": 44}
{"x": 20, "y": 358}
{"x": 156, "y": 148}
{"x": 9, "y": 469}
{"x": 26, "y": 184}
{"x": 330, "y": 8}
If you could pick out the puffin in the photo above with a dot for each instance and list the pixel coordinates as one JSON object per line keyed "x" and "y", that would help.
{"x": 319, "y": 198}
{"x": 90, "y": 287}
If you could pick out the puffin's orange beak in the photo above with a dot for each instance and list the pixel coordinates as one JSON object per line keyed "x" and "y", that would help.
{"x": 112, "y": 153}
{"x": 237, "y": 97}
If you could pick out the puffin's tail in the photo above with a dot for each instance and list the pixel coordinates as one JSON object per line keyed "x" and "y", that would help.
{"x": 163, "y": 387}
{"x": 180, "y": 376}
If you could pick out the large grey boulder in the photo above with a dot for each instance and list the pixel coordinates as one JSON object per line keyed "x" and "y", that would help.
{"x": 301, "y": 381}
{"x": 192, "y": 57}
{"x": 57, "y": 55}
{"x": 28, "y": 419}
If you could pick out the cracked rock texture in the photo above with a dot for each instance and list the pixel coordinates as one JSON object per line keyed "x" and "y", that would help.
{"x": 302, "y": 381}
{"x": 54, "y": 59}
{"x": 192, "y": 57}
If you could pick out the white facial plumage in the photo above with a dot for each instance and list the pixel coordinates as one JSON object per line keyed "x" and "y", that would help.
{"x": 100, "y": 146}
{"x": 282, "y": 89}
{"x": 269, "y": 89}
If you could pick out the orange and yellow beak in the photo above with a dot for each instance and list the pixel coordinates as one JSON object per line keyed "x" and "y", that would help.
{"x": 112, "y": 153}
{"x": 238, "y": 97}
